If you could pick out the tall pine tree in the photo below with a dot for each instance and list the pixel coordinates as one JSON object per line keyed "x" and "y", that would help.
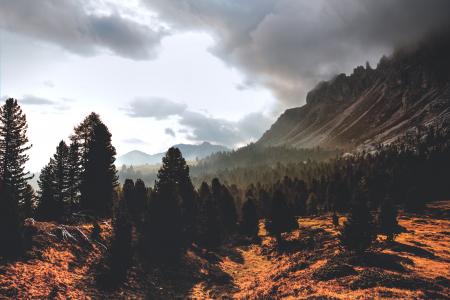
{"x": 98, "y": 173}
{"x": 13, "y": 147}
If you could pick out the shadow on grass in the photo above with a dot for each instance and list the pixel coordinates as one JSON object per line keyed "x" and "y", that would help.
{"x": 379, "y": 260}
{"x": 418, "y": 251}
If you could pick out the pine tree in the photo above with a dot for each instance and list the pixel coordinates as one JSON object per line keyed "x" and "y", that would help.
{"x": 13, "y": 147}
{"x": 225, "y": 205}
{"x": 73, "y": 174}
{"x": 29, "y": 203}
{"x": 387, "y": 219}
{"x": 358, "y": 233}
{"x": 169, "y": 228}
{"x": 281, "y": 217}
{"x": 139, "y": 202}
{"x": 10, "y": 229}
{"x": 250, "y": 220}
{"x": 61, "y": 173}
{"x": 98, "y": 178}
{"x": 209, "y": 233}
{"x": 121, "y": 247}
{"x": 49, "y": 207}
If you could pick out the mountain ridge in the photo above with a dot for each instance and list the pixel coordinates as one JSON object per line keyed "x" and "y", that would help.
{"x": 189, "y": 151}
{"x": 406, "y": 91}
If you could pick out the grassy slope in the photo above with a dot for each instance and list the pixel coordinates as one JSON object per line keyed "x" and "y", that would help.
{"x": 416, "y": 266}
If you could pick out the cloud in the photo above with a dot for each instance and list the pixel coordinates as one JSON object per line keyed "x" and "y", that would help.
{"x": 169, "y": 131}
{"x": 34, "y": 100}
{"x": 198, "y": 126}
{"x": 39, "y": 101}
{"x": 48, "y": 84}
{"x": 73, "y": 27}
{"x": 134, "y": 141}
{"x": 158, "y": 108}
{"x": 290, "y": 45}
{"x": 224, "y": 132}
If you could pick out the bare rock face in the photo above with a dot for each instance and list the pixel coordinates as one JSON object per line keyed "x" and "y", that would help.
{"x": 407, "y": 91}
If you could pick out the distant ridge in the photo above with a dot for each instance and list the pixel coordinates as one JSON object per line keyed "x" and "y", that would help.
{"x": 189, "y": 151}
{"x": 405, "y": 92}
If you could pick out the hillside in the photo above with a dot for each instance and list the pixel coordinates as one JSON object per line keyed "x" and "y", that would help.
{"x": 416, "y": 266}
{"x": 190, "y": 152}
{"x": 406, "y": 91}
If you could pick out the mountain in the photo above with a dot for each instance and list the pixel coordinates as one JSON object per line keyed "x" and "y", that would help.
{"x": 406, "y": 91}
{"x": 190, "y": 152}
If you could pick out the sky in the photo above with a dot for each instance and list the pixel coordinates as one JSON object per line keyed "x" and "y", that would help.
{"x": 162, "y": 72}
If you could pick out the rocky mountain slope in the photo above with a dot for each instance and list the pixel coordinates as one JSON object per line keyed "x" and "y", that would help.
{"x": 406, "y": 91}
{"x": 190, "y": 152}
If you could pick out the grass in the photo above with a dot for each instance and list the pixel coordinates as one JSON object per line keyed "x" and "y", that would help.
{"x": 312, "y": 266}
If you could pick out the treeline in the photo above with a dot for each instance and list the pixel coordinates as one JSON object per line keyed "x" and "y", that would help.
{"x": 251, "y": 156}
{"x": 254, "y": 155}
{"x": 411, "y": 171}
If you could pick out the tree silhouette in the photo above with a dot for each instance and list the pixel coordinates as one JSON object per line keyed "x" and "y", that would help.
{"x": 121, "y": 246}
{"x": 49, "y": 208}
{"x": 98, "y": 178}
{"x": 358, "y": 232}
{"x": 225, "y": 205}
{"x": 139, "y": 201}
{"x": 10, "y": 228}
{"x": 73, "y": 174}
{"x": 29, "y": 203}
{"x": 170, "y": 227}
{"x": 387, "y": 219}
{"x": 13, "y": 147}
{"x": 209, "y": 233}
{"x": 61, "y": 172}
{"x": 281, "y": 217}
{"x": 250, "y": 220}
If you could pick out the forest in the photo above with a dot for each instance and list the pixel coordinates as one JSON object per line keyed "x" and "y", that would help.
{"x": 157, "y": 225}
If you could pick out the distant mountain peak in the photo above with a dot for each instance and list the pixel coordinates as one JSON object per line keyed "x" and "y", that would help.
{"x": 409, "y": 90}
{"x": 189, "y": 151}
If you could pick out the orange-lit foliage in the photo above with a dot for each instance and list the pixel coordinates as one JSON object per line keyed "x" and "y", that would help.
{"x": 65, "y": 269}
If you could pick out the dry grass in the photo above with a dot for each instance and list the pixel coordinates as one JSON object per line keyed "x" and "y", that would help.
{"x": 312, "y": 266}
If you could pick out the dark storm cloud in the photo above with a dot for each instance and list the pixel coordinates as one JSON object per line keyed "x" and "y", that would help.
{"x": 289, "y": 45}
{"x": 158, "y": 108}
{"x": 69, "y": 25}
{"x": 169, "y": 131}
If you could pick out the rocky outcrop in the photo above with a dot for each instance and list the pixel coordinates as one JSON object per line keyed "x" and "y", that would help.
{"x": 408, "y": 90}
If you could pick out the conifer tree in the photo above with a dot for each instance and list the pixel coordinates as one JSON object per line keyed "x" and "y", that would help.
{"x": 250, "y": 220}
{"x": 13, "y": 147}
{"x": 121, "y": 247}
{"x": 138, "y": 203}
{"x": 209, "y": 231}
{"x": 49, "y": 207}
{"x": 358, "y": 232}
{"x": 225, "y": 205}
{"x": 387, "y": 219}
{"x": 98, "y": 178}
{"x": 61, "y": 172}
{"x": 169, "y": 228}
{"x": 10, "y": 229}
{"x": 73, "y": 174}
{"x": 281, "y": 217}
{"x": 29, "y": 203}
